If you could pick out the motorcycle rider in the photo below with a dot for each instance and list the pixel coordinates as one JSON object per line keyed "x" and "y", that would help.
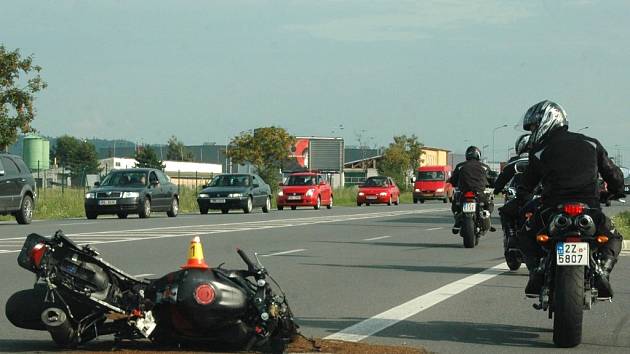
{"x": 509, "y": 212}
{"x": 470, "y": 176}
{"x": 566, "y": 164}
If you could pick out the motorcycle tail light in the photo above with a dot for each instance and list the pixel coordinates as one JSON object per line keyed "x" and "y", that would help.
{"x": 204, "y": 294}
{"x": 601, "y": 239}
{"x": 37, "y": 253}
{"x": 542, "y": 239}
{"x": 469, "y": 195}
{"x": 573, "y": 239}
{"x": 573, "y": 209}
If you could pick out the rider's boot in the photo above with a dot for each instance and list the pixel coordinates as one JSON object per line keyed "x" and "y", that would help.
{"x": 457, "y": 225}
{"x": 605, "y": 265}
{"x": 536, "y": 277}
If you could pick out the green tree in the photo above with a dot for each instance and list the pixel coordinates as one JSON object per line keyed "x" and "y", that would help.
{"x": 176, "y": 151}
{"x": 19, "y": 81}
{"x": 401, "y": 158}
{"x": 147, "y": 157}
{"x": 265, "y": 148}
{"x": 78, "y": 156}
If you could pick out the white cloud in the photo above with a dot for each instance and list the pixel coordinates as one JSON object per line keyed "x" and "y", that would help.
{"x": 415, "y": 20}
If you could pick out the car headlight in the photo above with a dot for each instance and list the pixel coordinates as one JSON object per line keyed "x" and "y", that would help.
{"x": 417, "y": 189}
{"x": 382, "y": 194}
{"x": 130, "y": 194}
{"x": 310, "y": 192}
{"x": 203, "y": 195}
{"x": 235, "y": 195}
{"x": 361, "y": 194}
{"x": 280, "y": 194}
{"x": 90, "y": 195}
{"x": 440, "y": 190}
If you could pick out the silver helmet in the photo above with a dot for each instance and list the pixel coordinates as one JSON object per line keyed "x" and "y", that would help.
{"x": 522, "y": 144}
{"x": 543, "y": 118}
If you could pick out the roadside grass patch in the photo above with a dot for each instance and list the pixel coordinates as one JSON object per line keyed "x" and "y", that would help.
{"x": 622, "y": 223}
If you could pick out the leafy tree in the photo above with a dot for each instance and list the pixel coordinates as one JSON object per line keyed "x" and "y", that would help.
{"x": 176, "y": 151}
{"x": 401, "y": 158}
{"x": 78, "y": 156}
{"x": 265, "y": 148}
{"x": 147, "y": 157}
{"x": 17, "y": 93}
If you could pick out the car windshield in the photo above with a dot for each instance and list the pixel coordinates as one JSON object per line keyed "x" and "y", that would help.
{"x": 125, "y": 178}
{"x": 307, "y": 180}
{"x": 376, "y": 182}
{"x": 430, "y": 176}
{"x": 230, "y": 181}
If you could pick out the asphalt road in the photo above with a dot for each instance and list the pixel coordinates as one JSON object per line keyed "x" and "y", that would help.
{"x": 379, "y": 274}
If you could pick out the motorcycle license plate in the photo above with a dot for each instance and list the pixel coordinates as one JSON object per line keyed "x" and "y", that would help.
{"x": 572, "y": 253}
{"x": 107, "y": 202}
{"x": 294, "y": 197}
{"x": 217, "y": 200}
{"x": 469, "y": 207}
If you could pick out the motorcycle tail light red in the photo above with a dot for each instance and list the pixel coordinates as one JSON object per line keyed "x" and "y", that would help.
{"x": 204, "y": 294}
{"x": 469, "y": 195}
{"x": 37, "y": 253}
{"x": 573, "y": 209}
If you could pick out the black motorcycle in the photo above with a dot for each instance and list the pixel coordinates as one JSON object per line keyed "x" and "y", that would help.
{"x": 512, "y": 253}
{"x": 474, "y": 217}
{"x": 571, "y": 267}
{"x": 79, "y": 296}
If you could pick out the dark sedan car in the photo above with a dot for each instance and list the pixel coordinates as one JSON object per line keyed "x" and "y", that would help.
{"x": 235, "y": 191}
{"x": 132, "y": 191}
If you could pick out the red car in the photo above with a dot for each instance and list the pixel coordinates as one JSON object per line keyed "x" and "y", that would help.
{"x": 305, "y": 189}
{"x": 378, "y": 189}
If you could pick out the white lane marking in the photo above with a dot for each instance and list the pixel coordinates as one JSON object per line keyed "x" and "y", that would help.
{"x": 78, "y": 223}
{"x": 435, "y": 228}
{"x": 281, "y": 253}
{"x": 143, "y": 275}
{"x": 376, "y": 238}
{"x": 116, "y": 236}
{"x": 412, "y": 307}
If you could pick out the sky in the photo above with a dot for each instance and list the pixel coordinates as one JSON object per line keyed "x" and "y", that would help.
{"x": 448, "y": 71}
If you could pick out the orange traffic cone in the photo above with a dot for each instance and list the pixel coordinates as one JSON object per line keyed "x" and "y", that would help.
{"x": 195, "y": 255}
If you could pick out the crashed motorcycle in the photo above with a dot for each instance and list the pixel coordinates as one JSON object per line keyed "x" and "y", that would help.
{"x": 474, "y": 216}
{"x": 79, "y": 296}
{"x": 572, "y": 268}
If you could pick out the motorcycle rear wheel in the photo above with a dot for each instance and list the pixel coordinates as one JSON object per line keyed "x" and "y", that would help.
{"x": 512, "y": 260}
{"x": 568, "y": 306}
{"x": 468, "y": 231}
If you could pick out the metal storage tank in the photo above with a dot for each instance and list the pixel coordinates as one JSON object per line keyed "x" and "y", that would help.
{"x": 36, "y": 152}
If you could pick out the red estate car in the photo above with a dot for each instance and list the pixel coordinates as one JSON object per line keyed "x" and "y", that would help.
{"x": 378, "y": 189}
{"x": 305, "y": 189}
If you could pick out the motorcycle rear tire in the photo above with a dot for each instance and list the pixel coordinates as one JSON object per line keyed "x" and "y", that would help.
{"x": 468, "y": 231}
{"x": 568, "y": 306}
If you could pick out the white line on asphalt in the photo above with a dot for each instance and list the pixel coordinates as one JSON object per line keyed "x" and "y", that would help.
{"x": 435, "y": 228}
{"x": 376, "y": 238}
{"x": 410, "y": 308}
{"x": 285, "y": 252}
{"x": 78, "y": 223}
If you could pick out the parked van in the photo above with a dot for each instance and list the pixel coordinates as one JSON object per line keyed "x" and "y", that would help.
{"x": 431, "y": 183}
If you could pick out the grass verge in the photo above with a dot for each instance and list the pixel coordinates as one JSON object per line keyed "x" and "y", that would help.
{"x": 622, "y": 223}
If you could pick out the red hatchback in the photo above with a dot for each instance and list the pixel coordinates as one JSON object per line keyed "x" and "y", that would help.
{"x": 378, "y": 189}
{"x": 305, "y": 189}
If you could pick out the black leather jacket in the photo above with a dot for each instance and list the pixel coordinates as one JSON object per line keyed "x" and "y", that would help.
{"x": 471, "y": 176}
{"x": 567, "y": 165}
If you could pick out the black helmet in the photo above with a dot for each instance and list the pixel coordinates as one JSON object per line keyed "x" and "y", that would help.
{"x": 522, "y": 144}
{"x": 543, "y": 118}
{"x": 473, "y": 153}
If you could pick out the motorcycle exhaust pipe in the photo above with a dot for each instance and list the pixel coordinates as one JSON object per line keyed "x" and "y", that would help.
{"x": 58, "y": 325}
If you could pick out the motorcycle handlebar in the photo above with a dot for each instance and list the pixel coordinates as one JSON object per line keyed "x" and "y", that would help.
{"x": 250, "y": 265}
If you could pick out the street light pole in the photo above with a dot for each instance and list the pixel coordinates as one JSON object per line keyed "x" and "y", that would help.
{"x": 494, "y": 131}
